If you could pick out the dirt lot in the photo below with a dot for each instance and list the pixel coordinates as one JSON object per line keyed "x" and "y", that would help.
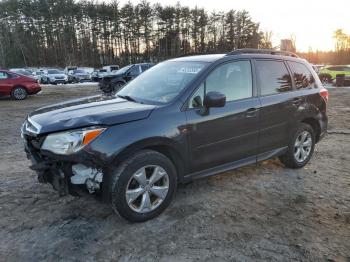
{"x": 263, "y": 212}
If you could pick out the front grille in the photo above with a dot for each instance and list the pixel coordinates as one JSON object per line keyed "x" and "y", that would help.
{"x": 59, "y": 77}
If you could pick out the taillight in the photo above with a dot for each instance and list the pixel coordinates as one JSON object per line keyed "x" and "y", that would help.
{"x": 324, "y": 94}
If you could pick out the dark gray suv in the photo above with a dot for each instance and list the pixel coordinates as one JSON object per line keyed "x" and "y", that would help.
{"x": 182, "y": 119}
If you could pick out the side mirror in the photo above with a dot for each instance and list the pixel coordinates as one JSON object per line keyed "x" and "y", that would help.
{"x": 214, "y": 99}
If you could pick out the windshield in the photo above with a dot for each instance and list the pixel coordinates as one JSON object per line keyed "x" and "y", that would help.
{"x": 123, "y": 69}
{"x": 79, "y": 71}
{"x": 22, "y": 72}
{"x": 53, "y": 71}
{"x": 163, "y": 82}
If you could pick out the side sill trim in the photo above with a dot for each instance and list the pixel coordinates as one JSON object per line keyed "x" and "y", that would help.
{"x": 219, "y": 169}
{"x": 272, "y": 153}
{"x": 236, "y": 164}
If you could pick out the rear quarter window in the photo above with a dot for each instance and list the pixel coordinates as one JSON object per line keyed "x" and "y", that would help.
{"x": 302, "y": 76}
{"x": 273, "y": 77}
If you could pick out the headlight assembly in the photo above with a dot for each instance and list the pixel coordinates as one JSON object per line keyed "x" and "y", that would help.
{"x": 69, "y": 142}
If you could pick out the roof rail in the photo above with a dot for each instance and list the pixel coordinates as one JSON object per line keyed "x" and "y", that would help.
{"x": 261, "y": 51}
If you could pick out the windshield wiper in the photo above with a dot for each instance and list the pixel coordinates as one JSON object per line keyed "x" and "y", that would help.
{"x": 129, "y": 98}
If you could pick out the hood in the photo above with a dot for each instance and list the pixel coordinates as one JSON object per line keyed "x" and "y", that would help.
{"x": 89, "y": 111}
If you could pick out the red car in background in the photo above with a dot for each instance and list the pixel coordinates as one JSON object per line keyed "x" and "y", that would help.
{"x": 17, "y": 86}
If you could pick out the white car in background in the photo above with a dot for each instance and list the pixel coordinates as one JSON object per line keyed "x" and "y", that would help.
{"x": 55, "y": 76}
{"x": 111, "y": 68}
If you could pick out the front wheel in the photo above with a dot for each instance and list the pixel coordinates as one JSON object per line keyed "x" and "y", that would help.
{"x": 301, "y": 147}
{"x": 143, "y": 186}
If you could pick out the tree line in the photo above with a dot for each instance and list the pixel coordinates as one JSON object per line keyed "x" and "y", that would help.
{"x": 69, "y": 32}
{"x": 339, "y": 56}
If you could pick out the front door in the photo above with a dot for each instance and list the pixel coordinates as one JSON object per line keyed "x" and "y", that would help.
{"x": 228, "y": 133}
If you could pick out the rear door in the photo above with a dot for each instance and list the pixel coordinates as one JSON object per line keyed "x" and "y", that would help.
{"x": 5, "y": 83}
{"x": 278, "y": 104}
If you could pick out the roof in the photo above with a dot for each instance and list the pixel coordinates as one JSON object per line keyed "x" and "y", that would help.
{"x": 199, "y": 58}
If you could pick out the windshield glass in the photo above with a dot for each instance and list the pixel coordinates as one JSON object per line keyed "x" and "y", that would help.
{"x": 79, "y": 71}
{"x": 163, "y": 82}
{"x": 122, "y": 70}
{"x": 22, "y": 72}
{"x": 54, "y": 71}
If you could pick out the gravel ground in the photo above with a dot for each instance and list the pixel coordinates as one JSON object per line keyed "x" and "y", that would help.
{"x": 257, "y": 213}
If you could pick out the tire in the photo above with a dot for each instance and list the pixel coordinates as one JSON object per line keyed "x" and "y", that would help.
{"x": 135, "y": 207}
{"x": 19, "y": 93}
{"x": 292, "y": 159}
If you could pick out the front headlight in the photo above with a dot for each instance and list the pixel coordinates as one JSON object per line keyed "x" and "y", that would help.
{"x": 66, "y": 143}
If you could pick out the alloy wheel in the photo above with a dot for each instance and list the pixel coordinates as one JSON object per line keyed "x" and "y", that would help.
{"x": 302, "y": 146}
{"x": 147, "y": 188}
{"x": 19, "y": 93}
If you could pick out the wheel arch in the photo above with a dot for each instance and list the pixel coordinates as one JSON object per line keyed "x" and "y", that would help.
{"x": 19, "y": 85}
{"x": 315, "y": 126}
{"x": 165, "y": 146}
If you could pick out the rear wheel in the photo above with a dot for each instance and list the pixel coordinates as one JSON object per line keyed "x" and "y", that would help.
{"x": 19, "y": 93}
{"x": 301, "y": 147}
{"x": 143, "y": 186}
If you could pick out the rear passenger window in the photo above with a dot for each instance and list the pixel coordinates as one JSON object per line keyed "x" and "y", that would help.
{"x": 273, "y": 77}
{"x": 302, "y": 76}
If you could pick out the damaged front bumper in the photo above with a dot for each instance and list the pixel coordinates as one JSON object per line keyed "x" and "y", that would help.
{"x": 73, "y": 174}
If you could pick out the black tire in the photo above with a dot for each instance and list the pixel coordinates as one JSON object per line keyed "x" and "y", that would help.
{"x": 289, "y": 158}
{"x": 121, "y": 176}
{"x": 19, "y": 93}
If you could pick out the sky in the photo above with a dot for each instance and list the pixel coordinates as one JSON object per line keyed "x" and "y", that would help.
{"x": 312, "y": 22}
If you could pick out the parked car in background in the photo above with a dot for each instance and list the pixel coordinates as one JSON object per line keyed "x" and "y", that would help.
{"x": 98, "y": 74}
{"x": 111, "y": 68}
{"x": 183, "y": 119}
{"x": 23, "y": 71}
{"x": 17, "y": 86}
{"x": 329, "y": 73}
{"x": 69, "y": 69}
{"x": 317, "y": 68}
{"x": 55, "y": 76}
{"x": 40, "y": 76}
{"x": 80, "y": 75}
{"x": 117, "y": 79}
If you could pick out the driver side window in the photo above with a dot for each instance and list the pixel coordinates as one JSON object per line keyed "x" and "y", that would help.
{"x": 233, "y": 79}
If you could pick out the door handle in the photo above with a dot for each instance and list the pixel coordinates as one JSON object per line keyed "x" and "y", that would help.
{"x": 251, "y": 112}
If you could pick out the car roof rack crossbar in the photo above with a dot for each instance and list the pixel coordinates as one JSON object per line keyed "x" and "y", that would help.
{"x": 261, "y": 51}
